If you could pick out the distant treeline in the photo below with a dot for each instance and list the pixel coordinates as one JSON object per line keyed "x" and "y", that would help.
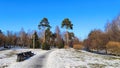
{"x": 44, "y": 38}
{"x": 97, "y": 40}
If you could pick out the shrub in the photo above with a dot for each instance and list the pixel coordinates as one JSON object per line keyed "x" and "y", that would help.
{"x": 37, "y": 44}
{"x": 45, "y": 46}
{"x": 61, "y": 45}
{"x": 113, "y": 47}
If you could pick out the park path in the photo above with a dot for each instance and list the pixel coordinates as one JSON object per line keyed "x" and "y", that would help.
{"x": 37, "y": 61}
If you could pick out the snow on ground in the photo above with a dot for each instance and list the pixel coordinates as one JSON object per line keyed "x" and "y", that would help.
{"x": 58, "y": 58}
{"x": 70, "y": 58}
{"x": 8, "y": 57}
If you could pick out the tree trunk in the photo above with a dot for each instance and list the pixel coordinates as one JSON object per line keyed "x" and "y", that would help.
{"x": 44, "y": 37}
{"x": 97, "y": 49}
{"x": 67, "y": 39}
{"x": 33, "y": 43}
{"x": 106, "y": 49}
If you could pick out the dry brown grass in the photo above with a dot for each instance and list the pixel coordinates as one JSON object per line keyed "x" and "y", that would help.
{"x": 78, "y": 46}
{"x": 66, "y": 46}
{"x": 113, "y": 47}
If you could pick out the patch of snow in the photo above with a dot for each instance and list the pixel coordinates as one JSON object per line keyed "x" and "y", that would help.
{"x": 58, "y": 58}
{"x": 8, "y": 57}
{"x": 70, "y": 58}
{"x": 31, "y": 62}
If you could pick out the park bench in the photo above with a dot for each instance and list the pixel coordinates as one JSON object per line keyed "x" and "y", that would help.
{"x": 24, "y": 55}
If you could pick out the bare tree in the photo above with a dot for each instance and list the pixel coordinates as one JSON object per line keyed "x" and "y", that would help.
{"x": 2, "y": 38}
{"x": 23, "y": 36}
{"x": 9, "y": 38}
{"x": 59, "y": 42}
{"x": 97, "y": 40}
{"x": 113, "y": 29}
{"x": 14, "y": 40}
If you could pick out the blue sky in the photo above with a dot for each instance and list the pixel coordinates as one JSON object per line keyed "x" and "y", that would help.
{"x": 86, "y": 15}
